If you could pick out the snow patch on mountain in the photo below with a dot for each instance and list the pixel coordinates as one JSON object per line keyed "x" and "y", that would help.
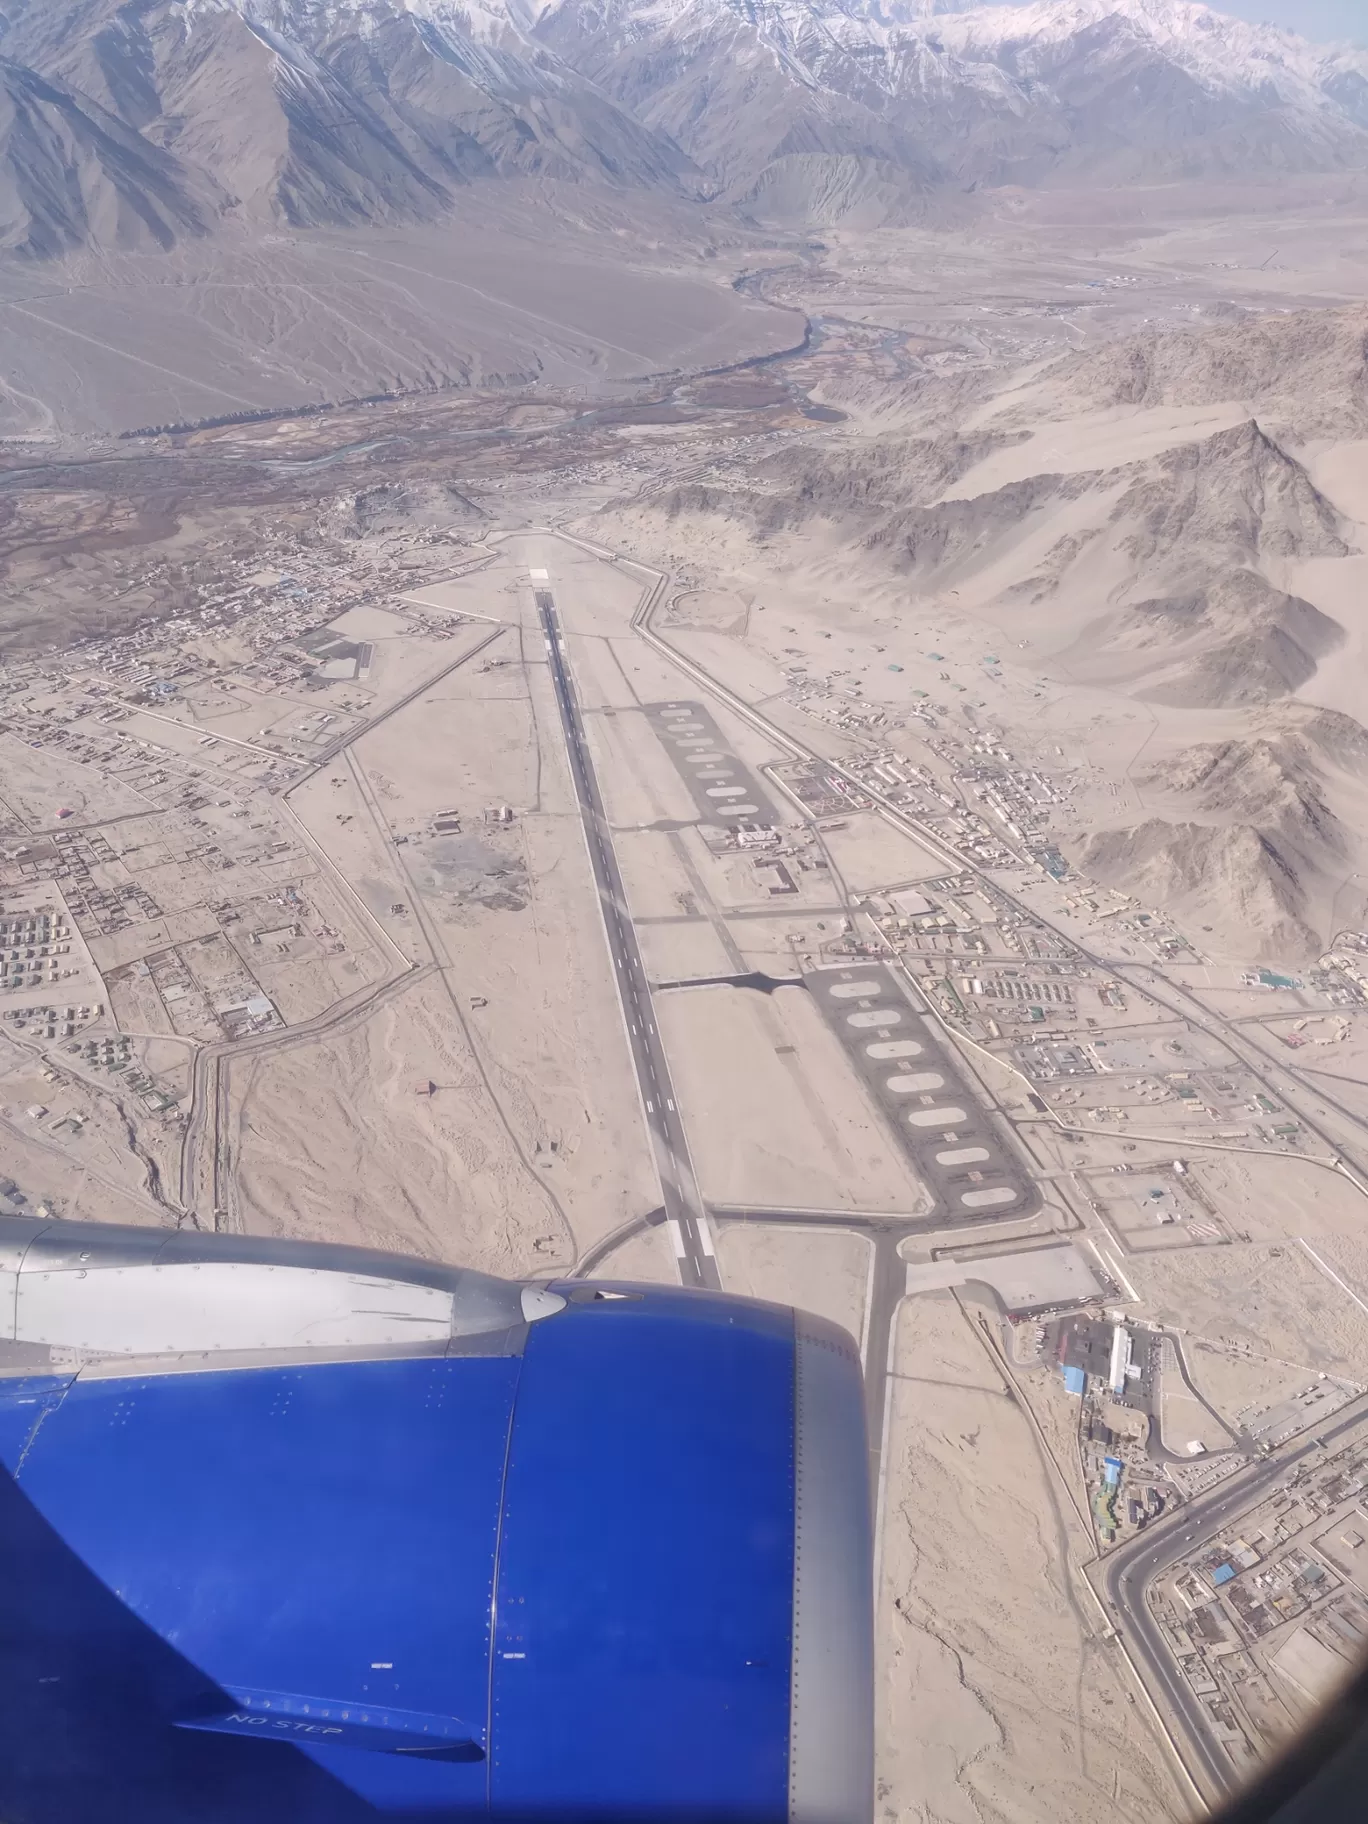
{"x": 346, "y": 111}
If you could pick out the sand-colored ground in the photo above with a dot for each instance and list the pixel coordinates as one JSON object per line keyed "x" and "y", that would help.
{"x": 821, "y": 1270}
{"x": 76, "y": 1154}
{"x": 764, "y": 941}
{"x": 331, "y": 1141}
{"x": 1340, "y": 471}
{"x": 814, "y": 733}
{"x": 774, "y": 1112}
{"x": 1022, "y": 1279}
{"x": 1334, "y": 1046}
{"x": 748, "y": 672}
{"x": 370, "y": 624}
{"x": 1273, "y": 1300}
{"x": 1183, "y": 1420}
{"x": 1236, "y": 1384}
{"x": 401, "y": 660}
{"x": 1093, "y": 440}
{"x": 485, "y": 593}
{"x": 1339, "y": 587}
{"x": 674, "y": 953}
{"x": 61, "y": 1178}
{"x": 1337, "y": 584}
{"x": 708, "y": 611}
{"x": 869, "y": 853}
{"x": 648, "y": 1258}
{"x": 640, "y": 782}
{"x": 135, "y": 1005}
{"x": 243, "y": 730}
{"x": 658, "y": 885}
{"x": 466, "y": 745}
{"x": 119, "y": 947}
{"x": 335, "y": 810}
{"x": 602, "y": 683}
{"x": 532, "y": 1145}
{"x": 1271, "y": 1199}
{"x": 522, "y": 1140}
{"x": 649, "y": 678}
{"x": 301, "y": 974}
{"x": 999, "y": 1702}
{"x": 37, "y": 786}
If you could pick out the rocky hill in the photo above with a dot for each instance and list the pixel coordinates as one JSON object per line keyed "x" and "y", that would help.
{"x": 1238, "y": 640}
{"x": 1168, "y": 578}
{"x": 768, "y": 96}
{"x": 1267, "y": 834}
{"x": 74, "y": 174}
{"x": 1234, "y": 497}
{"x": 1233, "y": 875}
{"x": 1211, "y": 512}
{"x": 1305, "y": 371}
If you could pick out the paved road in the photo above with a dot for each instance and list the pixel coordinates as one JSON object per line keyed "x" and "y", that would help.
{"x": 1154, "y": 986}
{"x": 1127, "y": 1575}
{"x": 1265, "y": 1069}
{"x": 348, "y": 737}
{"x": 1259, "y": 1064}
{"x": 887, "y": 1286}
{"x": 684, "y": 1215}
{"x": 203, "y": 1128}
{"x": 613, "y": 1240}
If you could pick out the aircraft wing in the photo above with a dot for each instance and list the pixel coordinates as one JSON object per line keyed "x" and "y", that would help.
{"x": 312, "y": 1533}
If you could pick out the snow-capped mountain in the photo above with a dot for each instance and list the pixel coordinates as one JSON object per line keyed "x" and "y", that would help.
{"x": 175, "y": 114}
{"x": 1106, "y": 89}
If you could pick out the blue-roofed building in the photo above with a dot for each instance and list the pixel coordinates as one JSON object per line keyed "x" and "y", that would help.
{"x": 321, "y": 1535}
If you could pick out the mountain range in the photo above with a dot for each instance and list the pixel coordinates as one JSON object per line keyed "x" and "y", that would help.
{"x": 135, "y": 123}
{"x": 1179, "y": 578}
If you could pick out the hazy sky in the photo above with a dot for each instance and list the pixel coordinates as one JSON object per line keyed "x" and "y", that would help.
{"x": 1319, "y": 20}
{"x": 1322, "y": 21}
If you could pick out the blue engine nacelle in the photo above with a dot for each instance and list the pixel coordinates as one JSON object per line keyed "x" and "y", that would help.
{"x": 311, "y": 1535}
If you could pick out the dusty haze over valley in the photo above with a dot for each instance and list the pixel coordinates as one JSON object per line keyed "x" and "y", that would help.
{"x": 727, "y": 644}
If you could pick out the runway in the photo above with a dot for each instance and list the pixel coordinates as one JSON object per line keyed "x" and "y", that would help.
{"x": 690, "y": 1234}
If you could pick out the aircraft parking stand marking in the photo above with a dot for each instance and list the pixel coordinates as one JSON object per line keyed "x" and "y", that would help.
{"x": 725, "y": 790}
{"x": 914, "y": 1077}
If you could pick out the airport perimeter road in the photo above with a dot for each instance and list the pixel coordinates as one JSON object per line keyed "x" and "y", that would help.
{"x": 684, "y": 1215}
{"x": 1125, "y": 1578}
{"x": 888, "y": 1286}
{"x": 1262, "y": 1066}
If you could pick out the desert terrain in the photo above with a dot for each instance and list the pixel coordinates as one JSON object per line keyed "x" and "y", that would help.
{"x": 960, "y": 612}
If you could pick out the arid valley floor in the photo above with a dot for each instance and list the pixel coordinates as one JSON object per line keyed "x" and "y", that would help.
{"x": 968, "y": 626}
